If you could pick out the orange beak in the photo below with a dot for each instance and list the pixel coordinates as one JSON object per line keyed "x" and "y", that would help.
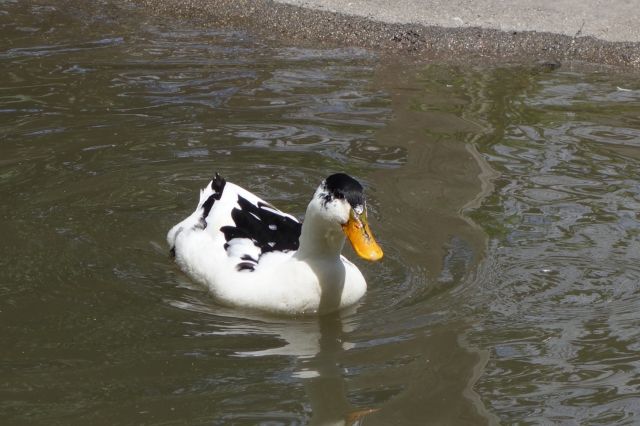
{"x": 358, "y": 232}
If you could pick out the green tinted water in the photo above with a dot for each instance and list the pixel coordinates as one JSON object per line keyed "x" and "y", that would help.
{"x": 506, "y": 201}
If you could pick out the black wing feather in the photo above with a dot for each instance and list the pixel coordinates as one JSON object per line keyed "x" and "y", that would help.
{"x": 268, "y": 230}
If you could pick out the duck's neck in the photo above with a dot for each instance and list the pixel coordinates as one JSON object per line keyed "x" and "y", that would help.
{"x": 319, "y": 237}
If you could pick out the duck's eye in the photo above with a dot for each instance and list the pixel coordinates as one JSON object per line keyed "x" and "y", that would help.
{"x": 358, "y": 209}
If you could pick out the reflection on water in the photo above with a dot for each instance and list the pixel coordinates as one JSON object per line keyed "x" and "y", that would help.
{"x": 560, "y": 285}
{"x": 313, "y": 344}
{"x": 506, "y": 201}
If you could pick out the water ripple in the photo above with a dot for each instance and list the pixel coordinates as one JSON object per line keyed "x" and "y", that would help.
{"x": 563, "y": 271}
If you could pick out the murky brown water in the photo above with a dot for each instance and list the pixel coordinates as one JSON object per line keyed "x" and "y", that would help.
{"x": 506, "y": 200}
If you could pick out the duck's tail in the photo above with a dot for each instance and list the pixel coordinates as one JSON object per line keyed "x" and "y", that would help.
{"x": 209, "y": 195}
{"x": 197, "y": 220}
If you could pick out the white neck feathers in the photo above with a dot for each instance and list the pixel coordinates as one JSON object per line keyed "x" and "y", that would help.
{"x": 321, "y": 235}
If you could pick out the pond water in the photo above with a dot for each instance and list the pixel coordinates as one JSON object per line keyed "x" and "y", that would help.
{"x": 506, "y": 200}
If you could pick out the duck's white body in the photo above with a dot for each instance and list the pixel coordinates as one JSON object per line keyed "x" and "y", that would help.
{"x": 249, "y": 254}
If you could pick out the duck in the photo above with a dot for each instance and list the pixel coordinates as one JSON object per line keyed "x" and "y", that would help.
{"x": 251, "y": 255}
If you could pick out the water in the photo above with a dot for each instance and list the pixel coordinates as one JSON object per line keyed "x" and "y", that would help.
{"x": 562, "y": 273}
{"x": 506, "y": 200}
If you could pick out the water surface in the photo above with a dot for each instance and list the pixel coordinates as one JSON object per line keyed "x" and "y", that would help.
{"x": 506, "y": 201}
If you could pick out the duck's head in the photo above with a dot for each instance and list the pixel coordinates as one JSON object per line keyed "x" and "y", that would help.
{"x": 340, "y": 199}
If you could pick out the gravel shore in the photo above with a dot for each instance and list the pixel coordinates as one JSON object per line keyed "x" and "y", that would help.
{"x": 540, "y": 31}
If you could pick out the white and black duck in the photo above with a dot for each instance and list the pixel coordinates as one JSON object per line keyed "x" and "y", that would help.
{"x": 252, "y": 255}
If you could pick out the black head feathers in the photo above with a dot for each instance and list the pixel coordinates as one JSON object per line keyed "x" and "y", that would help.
{"x": 343, "y": 186}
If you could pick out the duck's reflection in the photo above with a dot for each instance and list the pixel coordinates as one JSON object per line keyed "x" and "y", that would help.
{"x": 317, "y": 344}
{"x": 413, "y": 379}
{"x": 325, "y": 384}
